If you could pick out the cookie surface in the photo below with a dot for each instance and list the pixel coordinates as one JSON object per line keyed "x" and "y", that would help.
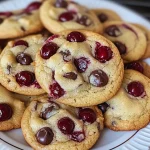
{"x": 17, "y": 65}
{"x": 20, "y": 23}
{"x": 106, "y": 15}
{"x": 77, "y": 68}
{"x": 131, "y": 49}
{"x": 129, "y": 109}
{"x": 52, "y": 126}
{"x": 59, "y": 15}
{"x": 10, "y": 115}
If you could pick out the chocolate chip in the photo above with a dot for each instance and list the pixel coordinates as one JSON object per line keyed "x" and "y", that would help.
{"x": 44, "y": 136}
{"x": 103, "y": 107}
{"x": 98, "y": 78}
{"x": 9, "y": 69}
{"x": 66, "y": 55}
{"x": 23, "y": 29}
{"x": 61, "y": 4}
{"x": 113, "y": 123}
{"x": 46, "y": 113}
{"x": 121, "y": 47}
{"x": 1, "y": 20}
{"x": 135, "y": 66}
{"x": 113, "y": 30}
{"x": 84, "y": 20}
{"x": 24, "y": 59}
{"x": 8, "y": 80}
{"x": 103, "y": 17}
{"x": 70, "y": 75}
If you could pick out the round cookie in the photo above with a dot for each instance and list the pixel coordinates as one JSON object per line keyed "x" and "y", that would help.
{"x": 147, "y": 34}
{"x": 20, "y": 23}
{"x": 17, "y": 65}
{"x": 130, "y": 40}
{"x": 106, "y": 15}
{"x": 60, "y": 15}
{"x": 140, "y": 66}
{"x": 129, "y": 109}
{"x": 10, "y": 115}
{"x": 75, "y": 67}
{"x": 52, "y": 126}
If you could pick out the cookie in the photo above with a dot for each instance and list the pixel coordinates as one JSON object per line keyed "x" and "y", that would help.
{"x": 75, "y": 67}
{"x": 139, "y": 66}
{"x": 49, "y": 125}
{"x": 106, "y": 15}
{"x": 130, "y": 40}
{"x": 60, "y": 15}
{"x": 20, "y": 23}
{"x": 129, "y": 109}
{"x": 11, "y": 110}
{"x": 17, "y": 65}
{"x": 147, "y": 34}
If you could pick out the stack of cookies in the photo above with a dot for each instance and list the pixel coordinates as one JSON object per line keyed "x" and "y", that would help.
{"x": 66, "y": 72}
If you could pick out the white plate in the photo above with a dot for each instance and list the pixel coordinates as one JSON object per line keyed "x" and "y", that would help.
{"x": 133, "y": 140}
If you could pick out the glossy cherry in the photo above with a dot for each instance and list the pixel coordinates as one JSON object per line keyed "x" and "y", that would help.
{"x": 33, "y": 6}
{"x": 20, "y": 42}
{"x": 87, "y": 115}
{"x": 76, "y": 36}
{"x": 52, "y": 37}
{"x": 25, "y": 78}
{"x": 135, "y": 66}
{"x": 48, "y": 50}
{"x": 56, "y": 91}
{"x": 66, "y": 16}
{"x": 61, "y": 4}
{"x": 81, "y": 64}
{"x": 102, "y": 53}
{"x": 5, "y": 112}
{"x": 135, "y": 88}
{"x": 36, "y": 84}
{"x": 66, "y": 125}
{"x": 6, "y": 14}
